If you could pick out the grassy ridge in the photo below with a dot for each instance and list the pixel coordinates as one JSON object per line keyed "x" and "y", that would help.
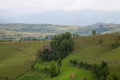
{"x": 93, "y": 52}
{"x": 16, "y": 60}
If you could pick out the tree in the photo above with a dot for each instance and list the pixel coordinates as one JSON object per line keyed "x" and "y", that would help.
{"x": 53, "y": 71}
{"x": 112, "y": 77}
{"x": 59, "y": 62}
{"x": 77, "y": 35}
{"x": 93, "y": 32}
{"x": 103, "y": 64}
{"x": 45, "y": 55}
{"x": 104, "y": 70}
{"x": 62, "y": 45}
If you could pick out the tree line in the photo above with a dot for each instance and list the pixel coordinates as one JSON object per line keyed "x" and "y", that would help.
{"x": 102, "y": 71}
{"x": 61, "y": 46}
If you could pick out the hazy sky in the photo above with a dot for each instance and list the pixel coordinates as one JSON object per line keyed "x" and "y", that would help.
{"x": 67, "y": 5}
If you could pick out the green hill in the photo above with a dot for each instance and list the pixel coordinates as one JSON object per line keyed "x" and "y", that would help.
{"x": 90, "y": 49}
{"x": 16, "y": 57}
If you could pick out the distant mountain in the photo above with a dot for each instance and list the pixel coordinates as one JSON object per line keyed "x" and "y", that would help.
{"x": 80, "y": 17}
{"x": 18, "y": 31}
{"x": 1, "y": 21}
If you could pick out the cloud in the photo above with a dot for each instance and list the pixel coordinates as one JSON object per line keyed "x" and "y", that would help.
{"x": 67, "y": 5}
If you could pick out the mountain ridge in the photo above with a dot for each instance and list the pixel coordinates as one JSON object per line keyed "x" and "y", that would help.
{"x": 79, "y": 17}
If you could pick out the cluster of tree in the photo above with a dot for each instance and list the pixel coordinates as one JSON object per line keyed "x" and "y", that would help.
{"x": 4, "y": 78}
{"x": 100, "y": 41}
{"x": 101, "y": 71}
{"x": 114, "y": 45}
{"x": 53, "y": 70}
{"x": 75, "y": 35}
{"x": 46, "y": 55}
{"x": 112, "y": 77}
{"x": 61, "y": 46}
{"x": 93, "y": 32}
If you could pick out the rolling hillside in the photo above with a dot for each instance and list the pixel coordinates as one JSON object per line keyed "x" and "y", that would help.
{"x": 16, "y": 57}
{"x": 88, "y": 49}
{"x": 40, "y": 31}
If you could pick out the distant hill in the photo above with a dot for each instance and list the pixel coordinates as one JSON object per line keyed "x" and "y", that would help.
{"x": 79, "y": 17}
{"x": 1, "y": 21}
{"x": 40, "y": 31}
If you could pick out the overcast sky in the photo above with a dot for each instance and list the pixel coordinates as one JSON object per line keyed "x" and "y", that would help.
{"x": 66, "y": 5}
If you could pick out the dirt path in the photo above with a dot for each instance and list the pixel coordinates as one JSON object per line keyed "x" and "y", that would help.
{"x": 98, "y": 59}
{"x": 24, "y": 50}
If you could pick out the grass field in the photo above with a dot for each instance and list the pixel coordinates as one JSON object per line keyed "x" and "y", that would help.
{"x": 14, "y": 60}
{"x": 93, "y": 51}
{"x": 66, "y": 71}
{"x": 86, "y": 49}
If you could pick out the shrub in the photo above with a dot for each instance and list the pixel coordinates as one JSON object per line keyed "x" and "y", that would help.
{"x": 73, "y": 62}
{"x": 53, "y": 71}
{"x": 114, "y": 45}
{"x": 100, "y": 41}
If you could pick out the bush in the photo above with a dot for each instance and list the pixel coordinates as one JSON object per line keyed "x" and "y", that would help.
{"x": 53, "y": 71}
{"x": 73, "y": 62}
{"x": 100, "y": 41}
{"x": 101, "y": 71}
{"x": 114, "y": 45}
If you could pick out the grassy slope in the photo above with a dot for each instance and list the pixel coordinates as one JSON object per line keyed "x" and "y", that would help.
{"x": 85, "y": 47}
{"x": 15, "y": 60}
{"x": 89, "y": 46}
{"x": 67, "y": 70}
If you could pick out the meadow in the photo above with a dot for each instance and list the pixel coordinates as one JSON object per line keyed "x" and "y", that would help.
{"x": 16, "y": 57}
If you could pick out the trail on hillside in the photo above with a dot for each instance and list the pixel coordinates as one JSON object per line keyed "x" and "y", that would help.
{"x": 24, "y": 50}
{"x": 98, "y": 59}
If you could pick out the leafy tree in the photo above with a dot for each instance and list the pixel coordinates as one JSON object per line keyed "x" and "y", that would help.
{"x": 53, "y": 71}
{"x": 114, "y": 45}
{"x": 59, "y": 62}
{"x": 93, "y": 32}
{"x": 103, "y": 64}
{"x": 77, "y": 35}
{"x": 112, "y": 77}
{"x": 45, "y": 55}
{"x": 61, "y": 46}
